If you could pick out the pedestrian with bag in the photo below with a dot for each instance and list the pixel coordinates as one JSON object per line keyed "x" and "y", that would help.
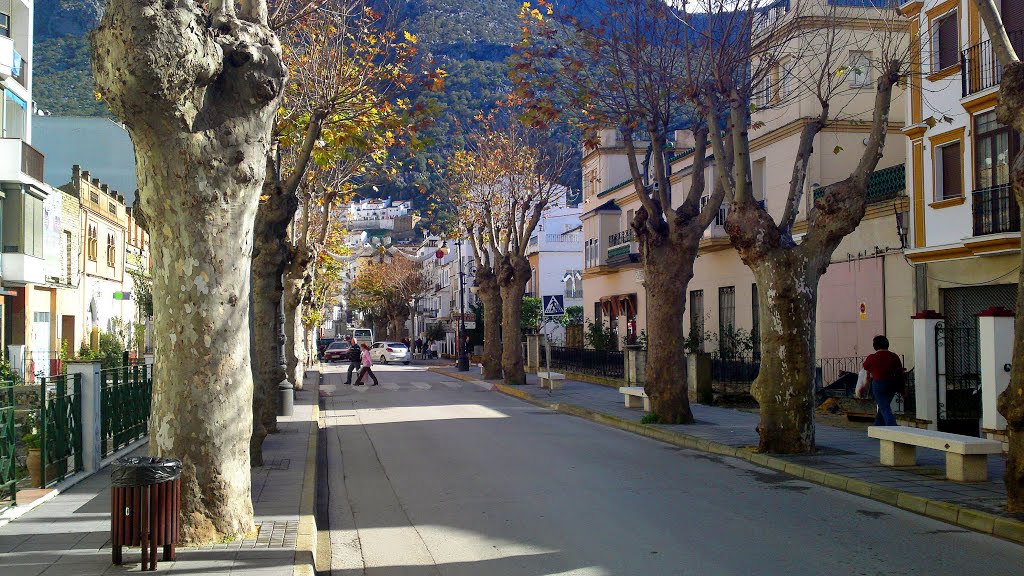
{"x": 886, "y": 378}
{"x": 367, "y": 363}
{"x": 354, "y": 356}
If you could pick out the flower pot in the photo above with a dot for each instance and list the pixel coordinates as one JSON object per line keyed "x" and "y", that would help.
{"x": 32, "y": 462}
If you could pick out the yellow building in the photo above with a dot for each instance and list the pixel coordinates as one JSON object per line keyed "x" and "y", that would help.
{"x": 869, "y": 286}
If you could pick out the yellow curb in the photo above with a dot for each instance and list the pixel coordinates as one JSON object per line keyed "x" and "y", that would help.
{"x": 307, "y": 540}
{"x": 912, "y": 503}
{"x": 859, "y": 487}
{"x": 1009, "y": 529}
{"x": 887, "y": 495}
{"x": 942, "y": 511}
{"x": 975, "y": 520}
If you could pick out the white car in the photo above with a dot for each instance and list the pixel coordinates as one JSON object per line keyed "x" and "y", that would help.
{"x": 385, "y": 352}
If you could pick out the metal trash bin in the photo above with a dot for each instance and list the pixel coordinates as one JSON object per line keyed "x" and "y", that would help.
{"x": 145, "y": 507}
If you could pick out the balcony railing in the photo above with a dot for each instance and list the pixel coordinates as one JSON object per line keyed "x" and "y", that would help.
{"x": 623, "y": 237}
{"x": 980, "y": 67}
{"x": 31, "y": 161}
{"x": 995, "y": 211}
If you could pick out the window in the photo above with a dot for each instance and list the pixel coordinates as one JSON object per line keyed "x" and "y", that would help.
{"x": 574, "y": 284}
{"x": 5, "y": 25}
{"x": 762, "y": 96}
{"x": 945, "y": 42}
{"x": 948, "y": 174}
{"x": 67, "y": 256}
{"x": 111, "y": 253}
{"x": 755, "y": 326}
{"x": 995, "y": 146}
{"x": 860, "y": 69}
{"x": 726, "y": 320}
{"x": 94, "y": 197}
{"x": 697, "y": 319}
{"x": 92, "y": 243}
{"x": 757, "y": 179}
{"x": 597, "y": 313}
{"x": 112, "y": 207}
{"x": 590, "y": 252}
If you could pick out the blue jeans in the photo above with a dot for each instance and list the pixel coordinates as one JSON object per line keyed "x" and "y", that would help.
{"x": 883, "y": 395}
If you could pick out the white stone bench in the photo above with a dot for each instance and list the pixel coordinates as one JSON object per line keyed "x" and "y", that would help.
{"x": 966, "y": 456}
{"x": 636, "y": 397}
{"x": 551, "y": 380}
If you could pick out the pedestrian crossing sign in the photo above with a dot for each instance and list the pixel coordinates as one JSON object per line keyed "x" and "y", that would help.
{"x": 553, "y": 305}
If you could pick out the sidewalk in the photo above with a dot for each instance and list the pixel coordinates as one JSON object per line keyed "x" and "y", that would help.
{"x": 70, "y": 534}
{"x": 846, "y": 458}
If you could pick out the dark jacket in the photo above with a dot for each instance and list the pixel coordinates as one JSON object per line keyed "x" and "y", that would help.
{"x": 354, "y": 353}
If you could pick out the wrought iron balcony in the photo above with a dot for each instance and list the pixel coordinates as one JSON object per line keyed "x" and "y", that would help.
{"x": 995, "y": 211}
{"x": 980, "y": 67}
{"x": 622, "y": 237}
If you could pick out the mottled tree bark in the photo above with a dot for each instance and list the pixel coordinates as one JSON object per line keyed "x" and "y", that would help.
{"x": 270, "y": 255}
{"x": 513, "y": 274}
{"x": 197, "y": 88}
{"x": 490, "y": 296}
{"x": 294, "y": 348}
{"x": 1010, "y": 112}
{"x": 668, "y": 269}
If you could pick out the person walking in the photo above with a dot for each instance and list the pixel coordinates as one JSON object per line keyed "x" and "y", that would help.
{"x": 434, "y": 350}
{"x": 354, "y": 356}
{"x": 367, "y": 363}
{"x": 419, "y": 346}
{"x": 885, "y": 372}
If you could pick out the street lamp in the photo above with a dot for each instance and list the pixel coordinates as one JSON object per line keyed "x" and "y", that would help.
{"x": 463, "y": 364}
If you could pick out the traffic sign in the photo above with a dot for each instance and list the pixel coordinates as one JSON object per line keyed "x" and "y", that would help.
{"x": 554, "y": 305}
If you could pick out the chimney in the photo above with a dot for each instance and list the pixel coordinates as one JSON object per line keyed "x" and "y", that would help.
{"x": 85, "y": 175}
{"x": 120, "y": 198}
{"x": 96, "y": 182}
{"x": 105, "y": 188}
{"x": 76, "y": 173}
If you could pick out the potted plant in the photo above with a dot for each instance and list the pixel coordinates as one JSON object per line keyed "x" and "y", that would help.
{"x": 33, "y": 443}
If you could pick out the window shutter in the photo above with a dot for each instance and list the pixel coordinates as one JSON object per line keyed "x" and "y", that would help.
{"x": 949, "y": 43}
{"x": 951, "y": 171}
{"x": 1013, "y": 19}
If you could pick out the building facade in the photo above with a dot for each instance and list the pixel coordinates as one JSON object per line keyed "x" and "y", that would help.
{"x": 555, "y": 252}
{"x": 868, "y": 288}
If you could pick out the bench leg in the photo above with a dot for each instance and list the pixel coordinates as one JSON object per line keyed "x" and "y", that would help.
{"x": 647, "y": 404}
{"x": 554, "y": 384}
{"x": 895, "y": 454}
{"x": 633, "y": 401}
{"x": 966, "y": 467}
{"x": 544, "y": 383}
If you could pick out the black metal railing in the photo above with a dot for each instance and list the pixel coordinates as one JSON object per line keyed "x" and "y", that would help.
{"x": 604, "y": 363}
{"x": 734, "y": 368}
{"x": 60, "y": 426}
{"x": 906, "y": 404}
{"x": 980, "y": 67}
{"x": 995, "y": 210}
{"x": 621, "y": 237}
{"x": 837, "y": 377}
{"x": 8, "y": 447}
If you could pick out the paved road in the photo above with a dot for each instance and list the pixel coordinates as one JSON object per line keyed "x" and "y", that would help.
{"x": 430, "y": 476}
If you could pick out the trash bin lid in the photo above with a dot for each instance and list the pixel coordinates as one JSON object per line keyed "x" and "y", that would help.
{"x": 143, "y": 471}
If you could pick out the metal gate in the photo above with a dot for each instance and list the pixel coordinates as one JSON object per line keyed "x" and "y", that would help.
{"x": 958, "y": 385}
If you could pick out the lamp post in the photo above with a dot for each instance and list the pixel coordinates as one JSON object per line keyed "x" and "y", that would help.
{"x": 463, "y": 364}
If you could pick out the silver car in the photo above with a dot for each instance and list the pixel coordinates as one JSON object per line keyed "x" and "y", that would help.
{"x": 385, "y": 352}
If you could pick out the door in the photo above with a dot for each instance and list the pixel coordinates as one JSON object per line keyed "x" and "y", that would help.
{"x": 959, "y": 372}
{"x": 40, "y": 349}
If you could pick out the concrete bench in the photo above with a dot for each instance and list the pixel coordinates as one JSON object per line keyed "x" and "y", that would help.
{"x": 966, "y": 456}
{"x": 551, "y": 380}
{"x": 636, "y": 397}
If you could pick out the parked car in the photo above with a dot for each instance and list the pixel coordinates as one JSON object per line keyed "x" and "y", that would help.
{"x": 385, "y": 352}
{"x": 337, "y": 350}
{"x": 362, "y": 335}
{"x": 322, "y": 344}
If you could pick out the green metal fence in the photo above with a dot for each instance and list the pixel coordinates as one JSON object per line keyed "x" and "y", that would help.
{"x": 60, "y": 423}
{"x": 8, "y": 447}
{"x": 125, "y": 395}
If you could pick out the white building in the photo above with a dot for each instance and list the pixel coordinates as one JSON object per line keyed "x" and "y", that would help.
{"x": 371, "y": 213}
{"x": 555, "y": 252}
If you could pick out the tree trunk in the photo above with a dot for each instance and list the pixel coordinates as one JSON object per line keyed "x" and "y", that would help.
{"x": 198, "y": 92}
{"x": 668, "y": 268}
{"x": 513, "y": 274}
{"x": 784, "y": 387}
{"x": 293, "y": 328}
{"x": 1011, "y": 400}
{"x": 490, "y": 296}
{"x": 270, "y": 256}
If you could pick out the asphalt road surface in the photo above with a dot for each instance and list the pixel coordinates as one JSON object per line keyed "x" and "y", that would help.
{"x": 428, "y": 475}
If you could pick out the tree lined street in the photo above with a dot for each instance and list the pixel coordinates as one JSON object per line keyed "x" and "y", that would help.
{"x": 430, "y": 475}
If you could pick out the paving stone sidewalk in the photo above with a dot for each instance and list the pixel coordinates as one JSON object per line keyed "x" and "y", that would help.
{"x": 70, "y": 534}
{"x": 847, "y": 452}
